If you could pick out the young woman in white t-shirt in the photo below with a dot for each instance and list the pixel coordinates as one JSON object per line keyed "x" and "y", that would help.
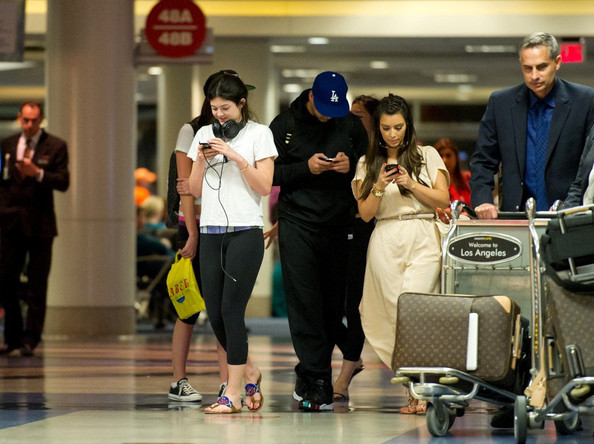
{"x": 230, "y": 175}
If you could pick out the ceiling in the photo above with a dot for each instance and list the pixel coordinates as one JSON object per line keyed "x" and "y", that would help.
{"x": 424, "y": 70}
{"x": 422, "y": 44}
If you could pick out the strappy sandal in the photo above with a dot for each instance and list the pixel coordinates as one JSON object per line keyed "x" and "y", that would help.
{"x": 412, "y": 406}
{"x": 250, "y": 391}
{"x": 222, "y": 401}
{"x": 357, "y": 371}
{"x": 421, "y": 407}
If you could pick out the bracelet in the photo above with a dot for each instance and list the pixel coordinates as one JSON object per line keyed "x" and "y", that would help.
{"x": 377, "y": 192}
{"x": 245, "y": 167}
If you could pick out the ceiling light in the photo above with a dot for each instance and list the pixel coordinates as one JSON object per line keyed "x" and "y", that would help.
{"x": 292, "y": 88}
{"x": 491, "y": 48}
{"x": 378, "y": 64}
{"x": 300, "y": 73}
{"x": 455, "y": 78}
{"x": 9, "y": 66}
{"x": 286, "y": 48}
{"x": 155, "y": 70}
{"x": 317, "y": 41}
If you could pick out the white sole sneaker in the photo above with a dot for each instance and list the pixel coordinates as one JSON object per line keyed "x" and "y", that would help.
{"x": 189, "y": 398}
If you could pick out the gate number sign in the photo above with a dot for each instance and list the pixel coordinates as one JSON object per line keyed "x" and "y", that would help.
{"x": 175, "y": 28}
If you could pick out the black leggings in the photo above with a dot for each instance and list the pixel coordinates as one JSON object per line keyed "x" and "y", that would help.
{"x": 229, "y": 266}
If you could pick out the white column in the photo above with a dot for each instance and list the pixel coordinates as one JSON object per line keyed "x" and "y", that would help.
{"x": 90, "y": 103}
{"x": 174, "y": 107}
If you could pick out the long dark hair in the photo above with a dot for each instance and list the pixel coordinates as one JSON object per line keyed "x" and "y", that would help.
{"x": 230, "y": 87}
{"x": 377, "y": 154}
{"x": 456, "y": 176}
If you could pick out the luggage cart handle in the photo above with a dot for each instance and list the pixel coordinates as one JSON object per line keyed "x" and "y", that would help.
{"x": 458, "y": 206}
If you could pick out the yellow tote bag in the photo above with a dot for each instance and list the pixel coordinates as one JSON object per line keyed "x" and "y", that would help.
{"x": 183, "y": 288}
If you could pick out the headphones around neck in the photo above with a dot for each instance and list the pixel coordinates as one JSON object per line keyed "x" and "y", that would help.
{"x": 228, "y": 130}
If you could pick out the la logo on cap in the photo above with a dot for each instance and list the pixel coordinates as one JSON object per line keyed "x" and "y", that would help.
{"x": 329, "y": 94}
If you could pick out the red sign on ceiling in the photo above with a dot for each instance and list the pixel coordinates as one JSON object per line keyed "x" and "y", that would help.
{"x": 572, "y": 52}
{"x": 175, "y": 28}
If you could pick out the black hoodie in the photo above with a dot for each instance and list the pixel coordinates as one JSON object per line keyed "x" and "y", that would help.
{"x": 322, "y": 201}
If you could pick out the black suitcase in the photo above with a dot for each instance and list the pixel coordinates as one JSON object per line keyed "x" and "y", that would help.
{"x": 479, "y": 335}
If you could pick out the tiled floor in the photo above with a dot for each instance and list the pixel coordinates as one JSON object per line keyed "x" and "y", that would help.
{"x": 114, "y": 391}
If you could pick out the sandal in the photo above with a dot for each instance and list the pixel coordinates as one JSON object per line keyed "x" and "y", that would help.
{"x": 357, "y": 371}
{"x": 250, "y": 391}
{"x": 339, "y": 397}
{"x": 412, "y": 406}
{"x": 225, "y": 402}
{"x": 421, "y": 407}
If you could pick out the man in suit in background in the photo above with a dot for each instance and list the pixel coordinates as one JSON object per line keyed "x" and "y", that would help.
{"x": 34, "y": 164}
{"x": 534, "y": 131}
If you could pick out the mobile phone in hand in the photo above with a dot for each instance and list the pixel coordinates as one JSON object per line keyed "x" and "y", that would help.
{"x": 392, "y": 167}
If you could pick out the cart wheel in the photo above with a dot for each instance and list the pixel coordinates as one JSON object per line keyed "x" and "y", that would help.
{"x": 569, "y": 425}
{"x": 452, "y": 415}
{"x": 438, "y": 419}
{"x": 521, "y": 419}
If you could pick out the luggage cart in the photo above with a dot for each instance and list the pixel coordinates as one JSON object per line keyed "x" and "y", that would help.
{"x": 577, "y": 395}
{"x": 481, "y": 257}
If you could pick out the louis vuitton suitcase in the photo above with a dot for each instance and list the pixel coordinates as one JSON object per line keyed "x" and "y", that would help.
{"x": 479, "y": 335}
{"x": 568, "y": 252}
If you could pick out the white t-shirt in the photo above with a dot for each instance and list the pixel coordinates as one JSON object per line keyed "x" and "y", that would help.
{"x": 589, "y": 194}
{"x": 184, "y": 141}
{"x": 227, "y": 198}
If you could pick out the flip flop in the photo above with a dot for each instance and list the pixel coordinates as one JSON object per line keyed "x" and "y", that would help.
{"x": 339, "y": 397}
{"x": 222, "y": 401}
{"x": 250, "y": 391}
{"x": 357, "y": 371}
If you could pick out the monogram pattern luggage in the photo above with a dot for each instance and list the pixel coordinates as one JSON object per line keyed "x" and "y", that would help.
{"x": 572, "y": 315}
{"x": 479, "y": 335}
{"x": 568, "y": 253}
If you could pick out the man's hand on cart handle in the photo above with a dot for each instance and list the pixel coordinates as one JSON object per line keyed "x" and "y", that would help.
{"x": 486, "y": 211}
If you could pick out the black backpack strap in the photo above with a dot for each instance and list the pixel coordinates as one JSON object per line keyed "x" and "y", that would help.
{"x": 173, "y": 198}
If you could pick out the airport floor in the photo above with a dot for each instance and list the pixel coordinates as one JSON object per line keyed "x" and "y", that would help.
{"x": 114, "y": 391}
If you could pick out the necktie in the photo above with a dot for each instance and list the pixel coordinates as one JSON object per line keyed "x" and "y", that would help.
{"x": 27, "y": 154}
{"x": 542, "y": 135}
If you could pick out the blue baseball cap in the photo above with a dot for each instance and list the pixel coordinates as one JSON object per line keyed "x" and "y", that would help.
{"x": 329, "y": 93}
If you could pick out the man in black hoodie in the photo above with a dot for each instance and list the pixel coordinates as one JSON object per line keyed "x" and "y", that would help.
{"x": 319, "y": 143}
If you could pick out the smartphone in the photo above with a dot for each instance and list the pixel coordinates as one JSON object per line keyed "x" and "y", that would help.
{"x": 329, "y": 159}
{"x": 392, "y": 166}
{"x": 205, "y": 145}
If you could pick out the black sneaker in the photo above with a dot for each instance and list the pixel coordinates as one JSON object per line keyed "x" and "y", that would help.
{"x": 183, "y": 391}
{"x": 318, "y": 397}
{"x": 300, "y": 389}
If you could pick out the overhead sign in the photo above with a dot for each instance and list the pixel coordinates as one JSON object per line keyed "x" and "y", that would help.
{"x": 572, "y": 50}
{"x": 175, "y": 28}
{"x": 484, "y": 248}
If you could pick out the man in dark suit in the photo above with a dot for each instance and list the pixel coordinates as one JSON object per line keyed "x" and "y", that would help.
{"x": 581, "y": 191}
{"x": 534, "y": 131}
{"x": 34, "y": 164}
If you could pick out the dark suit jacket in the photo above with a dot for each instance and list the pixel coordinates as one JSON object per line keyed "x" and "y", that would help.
{"x": 502, "y": 139}
{"x": 575, "y": 196}
{"x": 25, "y": 200}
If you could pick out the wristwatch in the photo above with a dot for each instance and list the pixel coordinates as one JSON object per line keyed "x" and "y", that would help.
{"x": 377, "y": 192}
